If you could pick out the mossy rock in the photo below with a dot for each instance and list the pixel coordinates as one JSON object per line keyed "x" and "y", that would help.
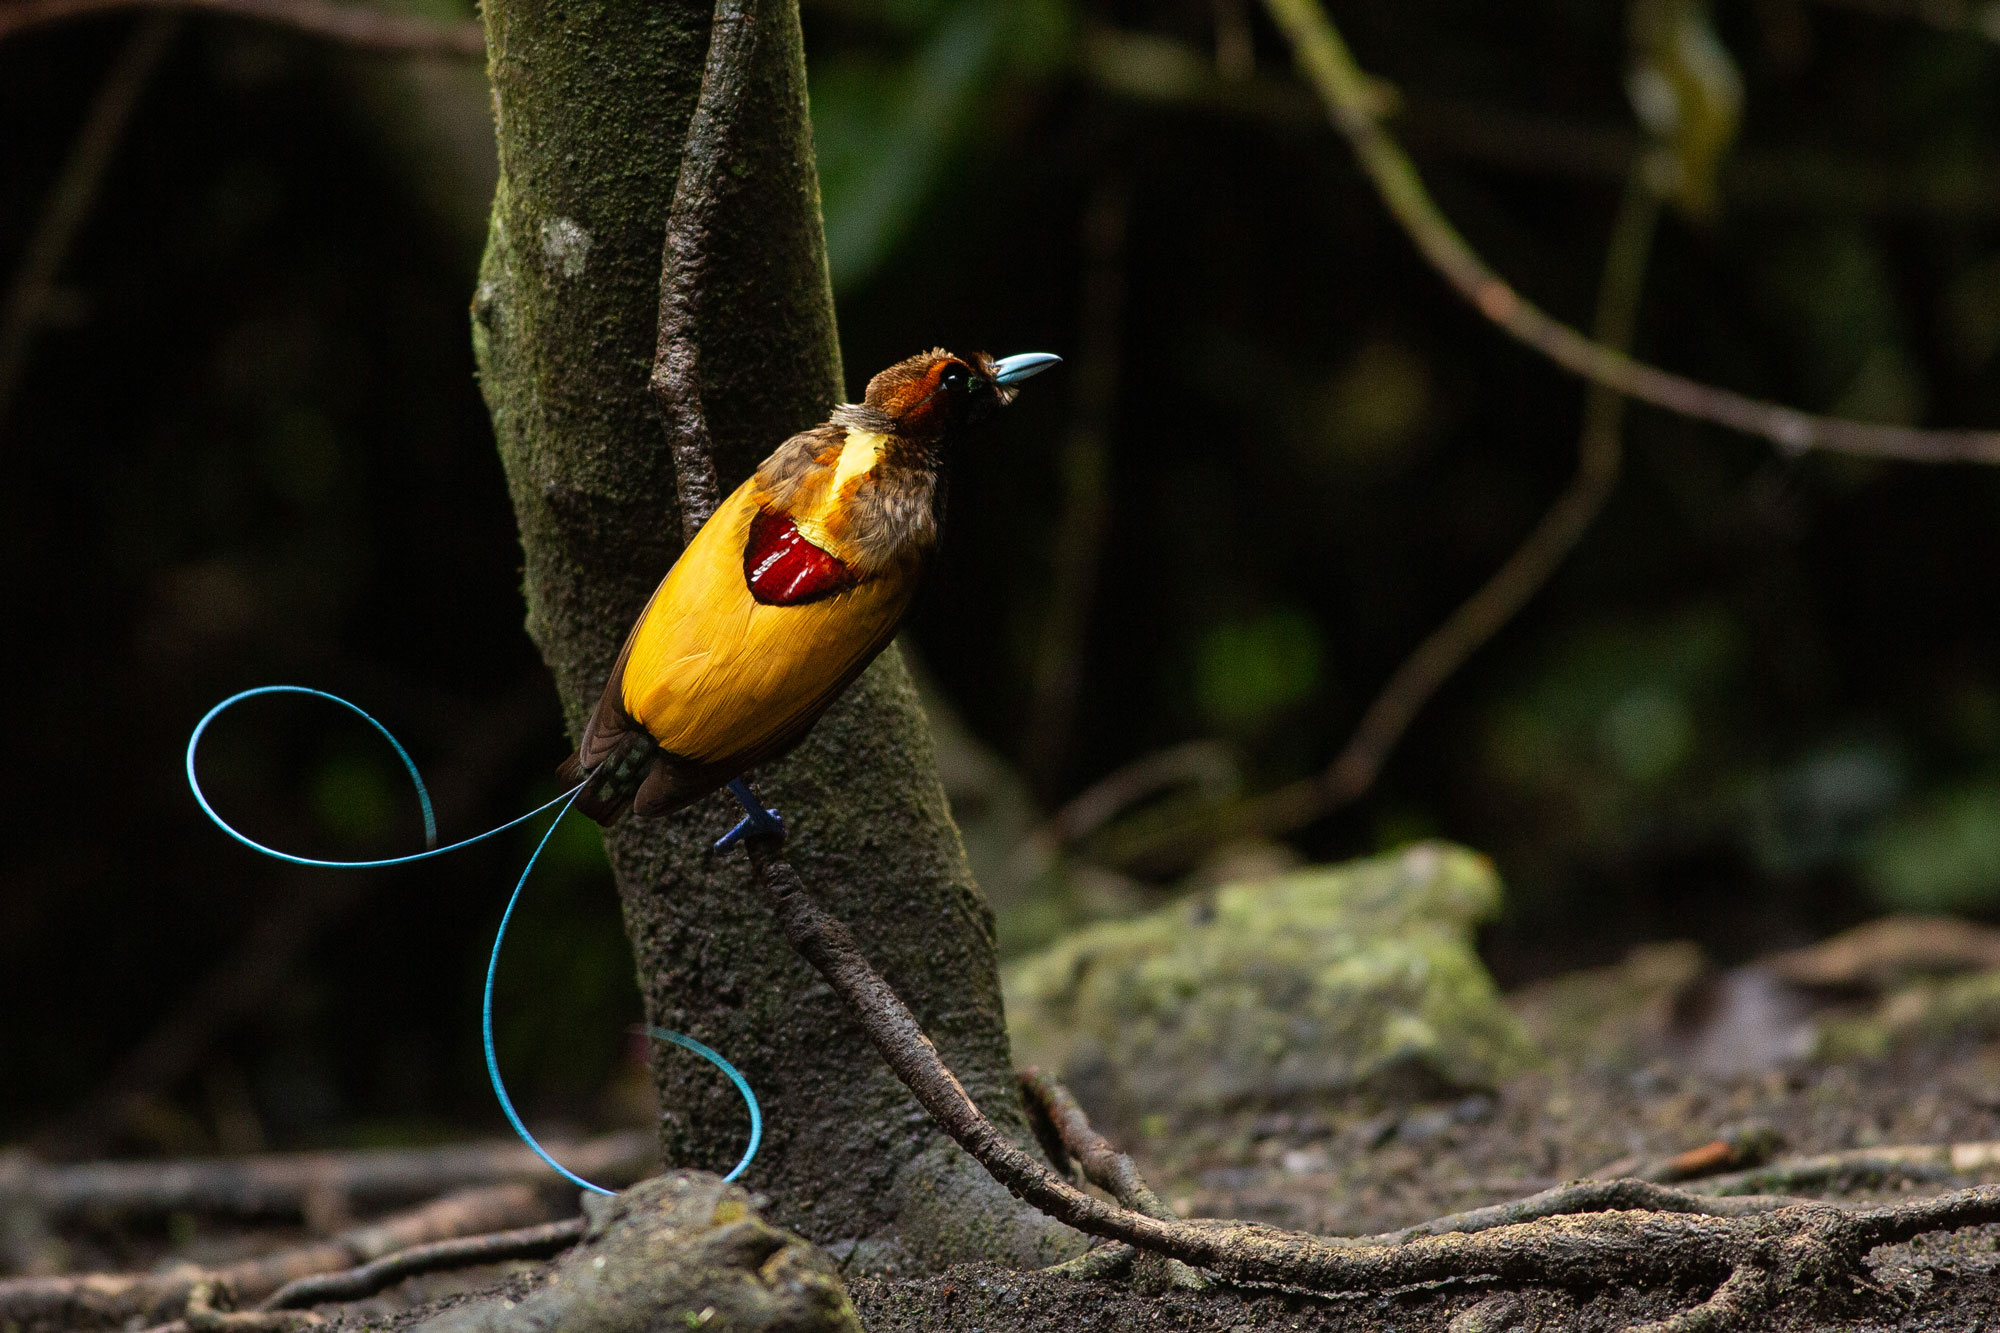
{"x": 1933, "y": 1009}
{"x": 1359, "y": 977}
{"x": 681, "y": 1251}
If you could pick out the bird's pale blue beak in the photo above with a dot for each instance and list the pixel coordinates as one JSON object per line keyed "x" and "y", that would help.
{"x": 1014, "y": 369}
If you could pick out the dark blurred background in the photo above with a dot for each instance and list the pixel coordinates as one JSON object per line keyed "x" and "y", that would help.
{"x": 243, "y": 444}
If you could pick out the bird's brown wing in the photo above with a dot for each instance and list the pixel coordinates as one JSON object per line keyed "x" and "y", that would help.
{"x": 615, "y": 752}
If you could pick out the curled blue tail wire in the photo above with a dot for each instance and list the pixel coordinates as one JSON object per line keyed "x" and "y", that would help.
{"x": 566, "y": 800}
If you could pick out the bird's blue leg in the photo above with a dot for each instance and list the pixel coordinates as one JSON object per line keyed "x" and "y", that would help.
{"x": 759, "y": 822}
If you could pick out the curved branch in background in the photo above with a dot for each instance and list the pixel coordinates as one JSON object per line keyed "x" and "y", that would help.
{"x": 1353, "y": 101}
{"x": 349, "y": 24}
{"x": 1943, "y": 15}
{"x": 75, "y": 192}
{"x": 1599, "y": 459}
{"x": 1481, "y": 616}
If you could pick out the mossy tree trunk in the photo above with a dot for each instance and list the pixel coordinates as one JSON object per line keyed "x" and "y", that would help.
{"x": 592, "y": 101}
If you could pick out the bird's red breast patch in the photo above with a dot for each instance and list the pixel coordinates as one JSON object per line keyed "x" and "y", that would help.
{"x": 784, "y": 569}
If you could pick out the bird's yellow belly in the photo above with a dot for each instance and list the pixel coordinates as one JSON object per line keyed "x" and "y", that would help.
{"x": 713, "y": 673}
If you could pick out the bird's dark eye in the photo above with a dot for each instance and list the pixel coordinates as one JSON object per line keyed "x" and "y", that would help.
{"x": 953, "y": 378}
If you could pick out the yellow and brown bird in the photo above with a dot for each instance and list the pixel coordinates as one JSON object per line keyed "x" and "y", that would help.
{"x": 793, "y": 586}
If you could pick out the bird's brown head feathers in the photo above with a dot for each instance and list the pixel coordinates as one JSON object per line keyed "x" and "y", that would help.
{"x": 935, "y": 394}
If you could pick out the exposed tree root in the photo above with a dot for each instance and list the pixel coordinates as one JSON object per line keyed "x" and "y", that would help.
{"x": 359, "y": 1283}
{"x": 1773, "y": 1251}
{"x": 1108, "y": 1169}
{"x": 1586, "y": 1196}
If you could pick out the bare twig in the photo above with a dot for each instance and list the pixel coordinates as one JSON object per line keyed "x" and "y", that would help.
{"x": 537, "y": 1242}
{"x": 1747, "y": 1146}
{"x": 349, "y": 24}
{"x": 286, "y": 1183}
{"x": 1447, "y": 647}
{"x": 1086, "y": 467}
{"x": 108, "y": 1299}
{"x": 1920, "y": 1161}
{"x": 1152, "y": 69}
{"x": 1205, "y": 763}
{"x": 1354, "y": 103}
{"x": 75, "y": 191}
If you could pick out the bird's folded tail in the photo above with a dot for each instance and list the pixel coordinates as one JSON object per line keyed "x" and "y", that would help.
{"x": 610, "y": 783}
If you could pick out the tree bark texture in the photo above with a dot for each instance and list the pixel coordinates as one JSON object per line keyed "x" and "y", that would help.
{"x": 592, "y": 100}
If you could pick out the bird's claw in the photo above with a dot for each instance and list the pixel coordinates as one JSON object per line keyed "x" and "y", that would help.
{"x": 759, "y": 821}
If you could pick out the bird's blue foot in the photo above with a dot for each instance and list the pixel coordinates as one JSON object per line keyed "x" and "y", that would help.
{"x": 759, "y": 822}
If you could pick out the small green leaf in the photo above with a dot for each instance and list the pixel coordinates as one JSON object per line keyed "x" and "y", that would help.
{"x": 1688, "y": 95}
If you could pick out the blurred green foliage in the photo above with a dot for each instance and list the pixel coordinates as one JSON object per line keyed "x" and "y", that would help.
{"x": 1687, "y": 94}
{"x": 1941, "y": 853}
{"x": 1246, "y": 671}
{"x": 888, "y": 124}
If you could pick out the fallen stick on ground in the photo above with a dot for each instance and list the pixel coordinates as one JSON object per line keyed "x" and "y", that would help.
{"x": 240, "y": 1321}
{"x": 108, "y": 1300}
{"x": 285, "y": 1184}
{"x": 1911, "y": 1161}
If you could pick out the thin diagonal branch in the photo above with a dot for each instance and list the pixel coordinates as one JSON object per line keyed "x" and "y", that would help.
{"x": 1353, "y": 102}
{"x": 1481, "y": 616}
{"x": 349, "y": 24}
